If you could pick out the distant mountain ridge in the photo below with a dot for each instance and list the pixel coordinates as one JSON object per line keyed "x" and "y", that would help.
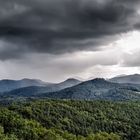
{"x": 98, "y": 89}
{"x": 94, "y": 89}
{"x": 8, "y": 85}
{"x": 35, "y": 90}
{"x": 133, "y": 79}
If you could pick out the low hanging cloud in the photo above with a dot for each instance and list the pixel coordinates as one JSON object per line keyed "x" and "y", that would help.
{"x": 63, "y": 26}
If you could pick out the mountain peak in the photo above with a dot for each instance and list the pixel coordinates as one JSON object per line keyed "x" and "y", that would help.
{"x": 71, "y": 80}
{"x": 99, "y": 80}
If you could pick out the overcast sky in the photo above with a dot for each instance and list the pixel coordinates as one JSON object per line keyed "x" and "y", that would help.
{"x": 54, "y": 40}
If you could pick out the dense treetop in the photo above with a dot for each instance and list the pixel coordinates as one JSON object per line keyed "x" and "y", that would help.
{"x": 70, "y": 120}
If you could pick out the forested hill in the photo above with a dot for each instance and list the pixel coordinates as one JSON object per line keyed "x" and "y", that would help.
{"x": 98, "y": 89}
{"x": 70, "y": 120}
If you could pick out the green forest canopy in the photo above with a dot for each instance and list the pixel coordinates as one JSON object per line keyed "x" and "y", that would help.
{"x": 70, "y": 120}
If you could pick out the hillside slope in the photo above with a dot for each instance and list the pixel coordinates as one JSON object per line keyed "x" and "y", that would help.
{"x": 98, "y": 89}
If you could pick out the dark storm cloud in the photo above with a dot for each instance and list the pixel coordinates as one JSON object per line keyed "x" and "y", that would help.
{"x": 61, "y": 26}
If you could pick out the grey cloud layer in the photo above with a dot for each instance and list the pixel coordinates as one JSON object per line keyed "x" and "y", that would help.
{"x": 131, "y": 60}
{"x": 61, "y": 26}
